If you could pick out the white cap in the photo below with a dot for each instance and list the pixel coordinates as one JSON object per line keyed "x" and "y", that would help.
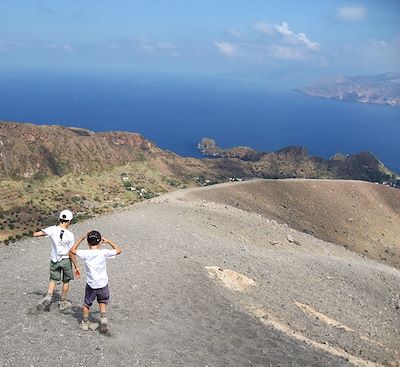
{"x": 66, "y": 215}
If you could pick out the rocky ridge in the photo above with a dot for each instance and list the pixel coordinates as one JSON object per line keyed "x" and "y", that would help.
{"x": 295, "y": 162}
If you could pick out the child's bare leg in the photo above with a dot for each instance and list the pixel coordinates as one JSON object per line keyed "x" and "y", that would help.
{"x": 64, "y": 291}
{"x": 103, "y": 308}
{"x": 51, "y": 287}
{"x": 85, "y": 312}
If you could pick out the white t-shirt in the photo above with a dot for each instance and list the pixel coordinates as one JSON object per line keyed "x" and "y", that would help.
{"x": 61, "y": 242}
{"x": 95, "y": 265}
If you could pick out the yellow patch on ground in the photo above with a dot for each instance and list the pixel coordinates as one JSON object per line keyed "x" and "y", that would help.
{"x": 230, "y": 279}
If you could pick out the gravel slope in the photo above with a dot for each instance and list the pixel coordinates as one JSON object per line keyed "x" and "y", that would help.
{"x": 313, "y": 303}
{"x": 359, "y": 215}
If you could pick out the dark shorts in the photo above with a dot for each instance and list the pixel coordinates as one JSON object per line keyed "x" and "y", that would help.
{"x": 102, "y": 295}
{"x": 63, "y": 267}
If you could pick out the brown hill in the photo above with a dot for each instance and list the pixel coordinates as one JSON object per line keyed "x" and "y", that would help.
{"x": 40, "y": 150}
{"x": 359, "y": 215}
{"x": 34, "y": 151}
{"x": 43, "y": 168}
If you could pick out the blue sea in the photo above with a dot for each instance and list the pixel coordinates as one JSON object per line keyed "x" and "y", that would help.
{"x": 176, "y": 112}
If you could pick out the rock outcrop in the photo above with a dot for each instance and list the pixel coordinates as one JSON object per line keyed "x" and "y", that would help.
{"x": 210, "y": 148}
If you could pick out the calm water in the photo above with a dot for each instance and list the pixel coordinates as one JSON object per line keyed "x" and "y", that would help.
{"x": 176, "y": 114}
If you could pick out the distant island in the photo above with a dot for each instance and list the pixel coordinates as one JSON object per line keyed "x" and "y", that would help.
{"x": 378, "y": 89}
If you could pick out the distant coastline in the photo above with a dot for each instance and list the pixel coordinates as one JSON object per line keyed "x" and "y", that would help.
{"x": 382, "y": 89}
{"x": 344, "y": 100}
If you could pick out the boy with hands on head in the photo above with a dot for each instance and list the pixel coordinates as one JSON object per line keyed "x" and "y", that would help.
{"x": 96, "y": 275}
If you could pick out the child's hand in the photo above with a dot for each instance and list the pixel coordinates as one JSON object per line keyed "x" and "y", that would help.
{"x": 84, "y": 236}
{"x": 77, "y": 273}
{"x": 105, "y": 240}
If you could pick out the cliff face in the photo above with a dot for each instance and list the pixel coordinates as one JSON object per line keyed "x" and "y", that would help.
{"x": 29, "y": 151}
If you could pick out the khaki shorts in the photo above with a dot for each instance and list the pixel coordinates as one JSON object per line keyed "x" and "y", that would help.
{"x": 65, "y": 267}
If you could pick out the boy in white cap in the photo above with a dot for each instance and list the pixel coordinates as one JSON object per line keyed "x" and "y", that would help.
{"x": 62, "y": 240}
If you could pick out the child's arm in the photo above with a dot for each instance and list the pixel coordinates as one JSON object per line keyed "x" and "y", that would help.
{"x": 39, "y": 233}
{"x": 77, "y": 271}
{"x": 75, "y": 246}
{"x": 112, "y": 244}
{"x": 72, "y": 255}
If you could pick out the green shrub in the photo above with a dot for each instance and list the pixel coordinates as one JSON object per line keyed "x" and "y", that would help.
{"x": 82, "y": 216}
{"x": 127, "y": 184}
{"x": 173, "y": 183}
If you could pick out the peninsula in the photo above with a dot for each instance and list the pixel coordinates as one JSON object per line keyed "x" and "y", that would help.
{"x": 378, "y": 89}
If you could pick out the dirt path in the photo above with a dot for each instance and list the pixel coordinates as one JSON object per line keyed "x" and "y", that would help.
{"x": 306, "y": 302}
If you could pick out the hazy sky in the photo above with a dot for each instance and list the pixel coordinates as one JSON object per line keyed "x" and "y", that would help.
{"x": 296, "y": 40}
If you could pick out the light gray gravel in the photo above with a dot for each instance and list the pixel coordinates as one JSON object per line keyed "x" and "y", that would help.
{"x": 167, "y": 311}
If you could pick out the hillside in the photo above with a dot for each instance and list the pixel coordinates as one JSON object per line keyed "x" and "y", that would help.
{"x": 31, "y": 151}
{"x": 43, "y": 168}
{"x": 90, "y": 173}
{"x": 358, "y": 215}
{"x": 205, "y": 283}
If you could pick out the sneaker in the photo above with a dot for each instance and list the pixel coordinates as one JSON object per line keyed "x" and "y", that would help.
{"x": 93, "y": 326}
{"x": 44, "y": 303}
{"x": 64, "y": 305}
{"x": 85, "y": 325}
{"x": 104, "y": 325}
